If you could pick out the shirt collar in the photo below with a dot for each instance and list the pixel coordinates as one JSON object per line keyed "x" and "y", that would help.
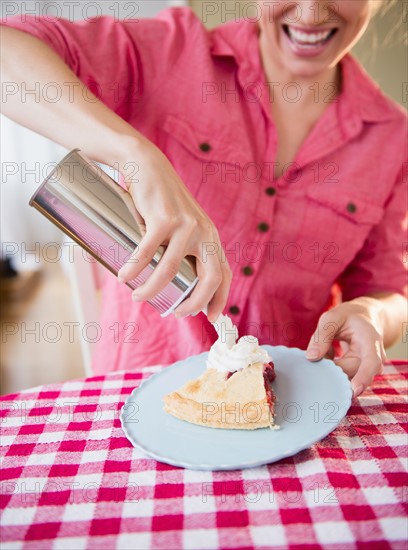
{"x": 361, "y": 98}
{"x": 239, "y": 39}
{"x": 362, "y": 94}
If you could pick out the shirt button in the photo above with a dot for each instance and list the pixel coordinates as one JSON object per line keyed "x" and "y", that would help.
{"x": 234, "y": 310}
{"x": 205, "y": 147}
{"x": 263, "y": 227}
{"x": 351, "y": 207}
{"x": 247, "y": 270}
{"x": 271, "y": 191}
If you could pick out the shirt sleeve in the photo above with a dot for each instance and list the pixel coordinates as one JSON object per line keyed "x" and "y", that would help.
{"x": 381, "y": 265}
{"x": 122, "y": 62}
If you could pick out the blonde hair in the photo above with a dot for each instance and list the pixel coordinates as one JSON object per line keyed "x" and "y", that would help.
{"x": 396, "y": 33}
{"x": 380, "y": 7}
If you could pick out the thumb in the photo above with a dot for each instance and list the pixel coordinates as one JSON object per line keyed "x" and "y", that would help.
{"x": 321, "y": 341}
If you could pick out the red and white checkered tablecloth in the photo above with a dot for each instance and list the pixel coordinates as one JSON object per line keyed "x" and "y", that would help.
{"x": 71, "y": 479}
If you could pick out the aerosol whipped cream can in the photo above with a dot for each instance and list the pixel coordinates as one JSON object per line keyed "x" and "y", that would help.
{"x": 97, "y": 213}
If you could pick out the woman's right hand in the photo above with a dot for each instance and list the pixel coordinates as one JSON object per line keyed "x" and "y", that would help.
{"x": 170, "y": 216}
{"x": 80, "y": 120}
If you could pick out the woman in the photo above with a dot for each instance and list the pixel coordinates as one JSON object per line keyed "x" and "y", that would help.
{"x": 293, "y": 156}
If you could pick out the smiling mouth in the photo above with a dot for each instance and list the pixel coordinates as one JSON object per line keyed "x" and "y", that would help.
{"x": 308, "y": 39}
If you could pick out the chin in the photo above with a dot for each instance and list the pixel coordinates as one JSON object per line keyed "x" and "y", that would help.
{"x": 309, "y": 70}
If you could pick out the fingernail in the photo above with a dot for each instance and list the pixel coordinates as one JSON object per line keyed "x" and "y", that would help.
{"x": 136, "y": 297}
{"x": 312, "y": 353}
{"x": 212, "y": 318}
{"x": 358, "y": 390}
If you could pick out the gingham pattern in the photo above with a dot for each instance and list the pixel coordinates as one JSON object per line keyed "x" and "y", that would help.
{"x": 70, "y": 479}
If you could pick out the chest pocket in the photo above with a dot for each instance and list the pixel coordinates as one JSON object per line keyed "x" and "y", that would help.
{"x": 335, "y": 225}
{"x": 208, "y": 162}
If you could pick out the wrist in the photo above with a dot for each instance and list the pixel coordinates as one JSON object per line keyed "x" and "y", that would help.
{"x": 124, "y": 147}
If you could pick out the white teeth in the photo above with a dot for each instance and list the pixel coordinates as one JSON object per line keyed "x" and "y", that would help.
{"x": 307, "y": 38}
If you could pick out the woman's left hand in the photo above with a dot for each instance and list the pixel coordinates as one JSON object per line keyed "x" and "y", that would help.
{"x": 356, "y": 324}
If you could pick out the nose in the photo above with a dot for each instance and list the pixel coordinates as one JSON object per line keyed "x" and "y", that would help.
{"x": 310, "y": 13}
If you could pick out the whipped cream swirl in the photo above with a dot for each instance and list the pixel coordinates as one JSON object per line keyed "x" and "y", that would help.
{"x": 228, "y": 355}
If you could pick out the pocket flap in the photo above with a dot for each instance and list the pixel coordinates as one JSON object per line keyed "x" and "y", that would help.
{"x": 346, "y": 203}
{"x": 207, "y": 143}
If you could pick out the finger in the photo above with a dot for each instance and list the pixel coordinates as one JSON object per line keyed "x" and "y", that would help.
{"x": 218, "y": 301}
{"x": 371, "y": 364}
{"x": 210, "y": 277}
{"x": 349, "y": 364}
{"x": 167, "y": 268}
{"x": 321, "y": 341}
{"x": 141, "y": 257}
{"x": 129, "y": 201}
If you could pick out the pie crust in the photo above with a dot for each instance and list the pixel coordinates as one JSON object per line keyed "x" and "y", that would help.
{"x": 241, "y": 400}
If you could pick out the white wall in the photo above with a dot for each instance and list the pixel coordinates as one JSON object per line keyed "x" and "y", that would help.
{"x": 27, "y": 157}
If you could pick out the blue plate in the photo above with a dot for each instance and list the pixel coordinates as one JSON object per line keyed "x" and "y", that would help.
{"x": 312, "y": 399}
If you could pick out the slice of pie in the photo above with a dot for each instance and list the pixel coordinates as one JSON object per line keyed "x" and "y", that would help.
{"x": 241, "y": 400}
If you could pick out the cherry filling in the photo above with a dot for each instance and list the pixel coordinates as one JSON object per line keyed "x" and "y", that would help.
{"x": 269, "y": 376}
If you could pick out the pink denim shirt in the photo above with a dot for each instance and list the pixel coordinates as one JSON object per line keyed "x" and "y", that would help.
{"x": 336, "y": 216}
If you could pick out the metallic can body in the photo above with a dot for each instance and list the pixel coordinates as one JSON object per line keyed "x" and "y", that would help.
{"x": 98, "y": 214}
